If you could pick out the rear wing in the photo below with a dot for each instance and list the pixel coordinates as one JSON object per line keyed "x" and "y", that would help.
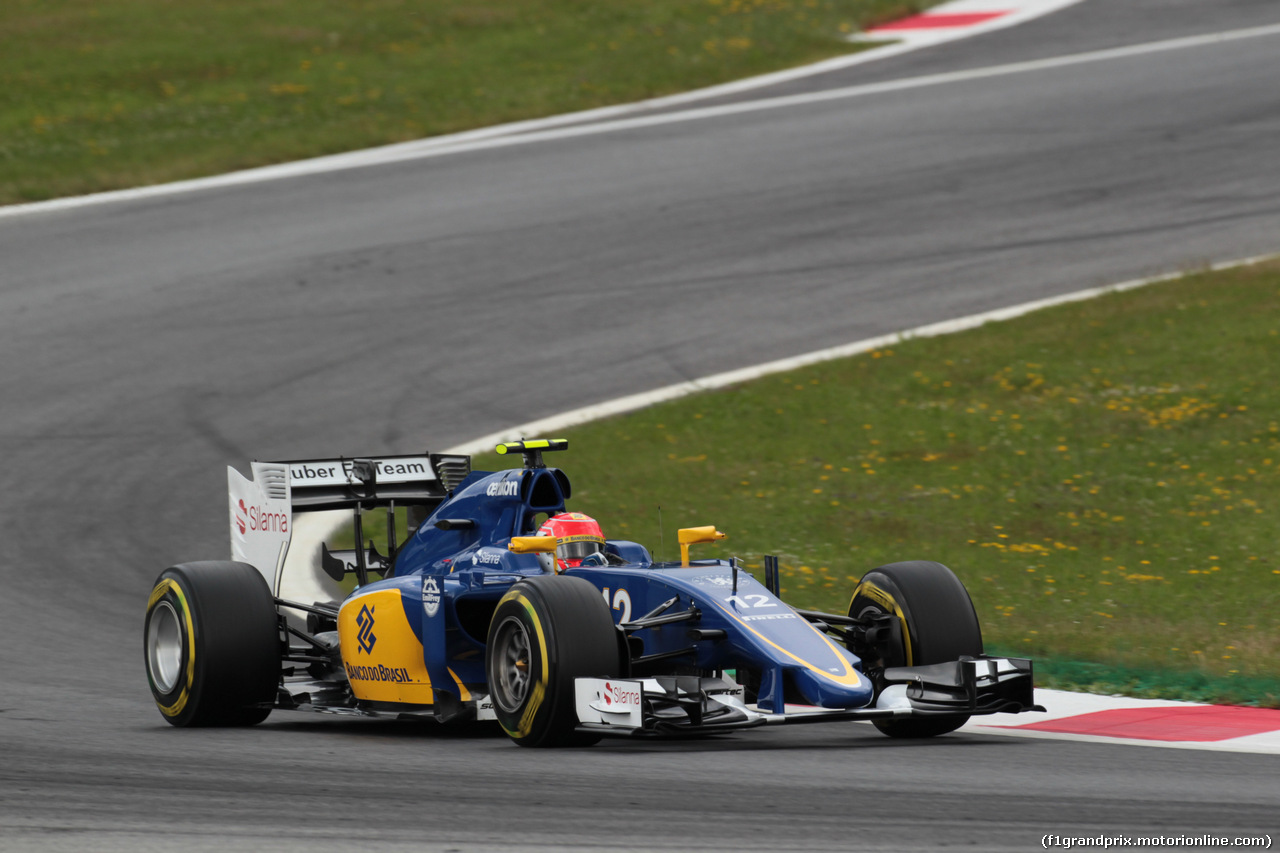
{"x": 264, "y": 506}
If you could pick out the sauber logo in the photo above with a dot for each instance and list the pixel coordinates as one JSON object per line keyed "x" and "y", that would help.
{"x": 258, "y": 518}
{"x": 365, "y": 638}
{"x": 388, "y": 470}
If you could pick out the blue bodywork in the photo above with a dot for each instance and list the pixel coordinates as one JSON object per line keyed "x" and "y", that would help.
{"x": 461, "y": 550}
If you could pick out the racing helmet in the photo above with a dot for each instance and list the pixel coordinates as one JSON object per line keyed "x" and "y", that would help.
{"x": 577, "y": 536}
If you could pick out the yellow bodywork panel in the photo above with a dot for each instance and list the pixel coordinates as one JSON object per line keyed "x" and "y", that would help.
{"x": 381, "y": 654}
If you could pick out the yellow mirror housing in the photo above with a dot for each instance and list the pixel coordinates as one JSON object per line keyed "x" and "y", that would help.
{"x": 532, "y": 544}
{"x": 696, "y": 536}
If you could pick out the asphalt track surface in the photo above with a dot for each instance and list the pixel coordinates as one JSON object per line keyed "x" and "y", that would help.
{"x": 146, "y": 345}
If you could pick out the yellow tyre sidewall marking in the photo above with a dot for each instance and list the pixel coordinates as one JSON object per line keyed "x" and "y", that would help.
{"x": 884, "y": 599}
{"x": 170, "y": 585}
{"x": 540, "y": 687}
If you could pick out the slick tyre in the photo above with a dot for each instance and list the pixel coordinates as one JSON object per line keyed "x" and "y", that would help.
{"x": 211, "y": 643}
{"x": 938, "y": 624}
{"x": 545, "y": 632}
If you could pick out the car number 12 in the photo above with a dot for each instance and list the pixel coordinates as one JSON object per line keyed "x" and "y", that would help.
{"x": 746, "y": 602}
{"x": 621, "y": 601}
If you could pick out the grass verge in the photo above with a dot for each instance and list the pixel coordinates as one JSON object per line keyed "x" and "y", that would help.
{"x": 1186, "y": 685}
{"x": 1103, "y": 476}
{"x": 97, "y": 96}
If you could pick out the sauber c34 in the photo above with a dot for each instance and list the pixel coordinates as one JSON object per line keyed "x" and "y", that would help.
{"x": 466, "y": 619}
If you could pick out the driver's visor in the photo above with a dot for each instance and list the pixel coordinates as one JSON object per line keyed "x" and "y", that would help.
{"x": 577, "y": 547}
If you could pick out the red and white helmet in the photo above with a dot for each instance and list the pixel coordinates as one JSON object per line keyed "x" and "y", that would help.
{"x": 577, "y": 536}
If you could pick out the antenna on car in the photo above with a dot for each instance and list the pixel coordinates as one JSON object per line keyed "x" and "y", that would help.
{"x": 533, "y": 449}
{"x": 662, "y": 542}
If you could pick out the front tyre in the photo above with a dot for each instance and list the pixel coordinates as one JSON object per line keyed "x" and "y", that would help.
{"x": 546, "y": 632}
{"x": 938, "y": 625}
{"x": 211, "y": 644}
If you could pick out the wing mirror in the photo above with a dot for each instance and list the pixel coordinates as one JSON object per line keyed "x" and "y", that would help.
{"x": 532, "y": 544}
{"x": 696, "y": 536}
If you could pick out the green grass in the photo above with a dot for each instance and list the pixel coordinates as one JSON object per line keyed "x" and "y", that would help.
{"x": 1192, "y": 685}
{"x": 1103, "y": 476}
{"x": 97, "y": 96}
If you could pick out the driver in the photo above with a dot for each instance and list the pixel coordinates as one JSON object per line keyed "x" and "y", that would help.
{"x": 577, "y": 536}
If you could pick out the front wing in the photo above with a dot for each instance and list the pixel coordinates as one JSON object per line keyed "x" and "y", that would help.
{"x": 691, "y": 705}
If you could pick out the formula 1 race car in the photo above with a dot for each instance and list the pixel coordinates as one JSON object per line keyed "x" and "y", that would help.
{"x": 474, "y": 617}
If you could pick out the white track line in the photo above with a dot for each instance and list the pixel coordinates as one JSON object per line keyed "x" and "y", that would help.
{"x": 464, "y": 141}
{"x": 542, "y": 130}
{"x": 634, "y": 402}
{"x": 839, "y": 94}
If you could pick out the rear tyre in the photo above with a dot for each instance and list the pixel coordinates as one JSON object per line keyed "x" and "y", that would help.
{"x": 545, "y": 632}
{"x": 938, "y": 624}
{"x": 211, "y": 644}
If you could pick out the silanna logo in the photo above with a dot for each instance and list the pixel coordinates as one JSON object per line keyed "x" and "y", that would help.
{"x": 365, "y": 638}
{"x": 616, "y": 697}
{"x": 620, "y": 696}
{"x": 257, "y": 518}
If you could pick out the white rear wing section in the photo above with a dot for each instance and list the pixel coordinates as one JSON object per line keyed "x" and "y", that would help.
{"x": 341, "y": 472}
{"x": 263, "y": 509}
{"x": 261, "y": 518}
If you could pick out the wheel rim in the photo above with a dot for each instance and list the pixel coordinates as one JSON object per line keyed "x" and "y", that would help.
{"x": 512, "y": 662}
{"x": 875, "y": 608}
{"x": 164, "y": 646}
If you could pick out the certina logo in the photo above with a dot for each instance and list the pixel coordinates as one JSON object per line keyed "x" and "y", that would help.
{"x": 365, "y": 638}
{"x": 398, "y": 675}
{"x": 768, "y": 617}
{"x": 503, "y": 489}
{"x": 260, "y": 519}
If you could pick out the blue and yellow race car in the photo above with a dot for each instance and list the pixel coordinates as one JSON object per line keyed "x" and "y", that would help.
{"x": 473, "y": 616}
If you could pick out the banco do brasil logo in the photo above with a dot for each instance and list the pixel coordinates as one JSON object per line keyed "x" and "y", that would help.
{"x": 365, "y": 638}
